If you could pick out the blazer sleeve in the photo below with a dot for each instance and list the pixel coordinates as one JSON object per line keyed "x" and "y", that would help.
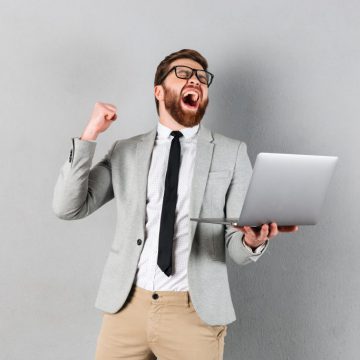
{"x": 80, "y": 189}
{"x": 234, "y": 202}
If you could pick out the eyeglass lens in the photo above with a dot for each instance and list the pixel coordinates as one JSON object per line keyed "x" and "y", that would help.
{"x": 184, "y": 72}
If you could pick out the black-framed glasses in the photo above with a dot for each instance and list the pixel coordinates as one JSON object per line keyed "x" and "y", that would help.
{"x": 186, "y": 72}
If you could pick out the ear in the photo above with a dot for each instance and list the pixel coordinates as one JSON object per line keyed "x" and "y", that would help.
{"x": 159, "y": 92}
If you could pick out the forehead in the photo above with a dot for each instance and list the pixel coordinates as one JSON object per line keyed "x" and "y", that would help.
{"x": 187, "y": 62}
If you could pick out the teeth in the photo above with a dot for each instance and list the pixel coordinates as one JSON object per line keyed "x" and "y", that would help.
{"x": 194, "y": 95}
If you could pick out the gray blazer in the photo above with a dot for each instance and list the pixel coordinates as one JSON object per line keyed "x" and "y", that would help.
{"x": 221, "y": 177}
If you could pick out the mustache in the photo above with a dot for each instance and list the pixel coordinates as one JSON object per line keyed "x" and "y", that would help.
{"x": 189, "y": 87}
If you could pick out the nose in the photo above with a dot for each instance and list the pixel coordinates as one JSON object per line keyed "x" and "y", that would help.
{"x": 194, "y": 79}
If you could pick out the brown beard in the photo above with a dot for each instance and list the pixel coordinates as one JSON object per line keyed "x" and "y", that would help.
{"x": 172, "y": 103}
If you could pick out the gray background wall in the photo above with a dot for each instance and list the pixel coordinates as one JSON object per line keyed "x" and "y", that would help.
{"x": 286, "y": 80}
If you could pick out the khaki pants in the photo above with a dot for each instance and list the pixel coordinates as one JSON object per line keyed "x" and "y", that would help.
{"x": 163, "y": 326}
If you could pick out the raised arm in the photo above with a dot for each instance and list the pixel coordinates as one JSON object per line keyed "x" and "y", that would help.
{"x": 80, "y": 189}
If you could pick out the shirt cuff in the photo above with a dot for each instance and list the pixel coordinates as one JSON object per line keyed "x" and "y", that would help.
{"x": 79, "y": 137}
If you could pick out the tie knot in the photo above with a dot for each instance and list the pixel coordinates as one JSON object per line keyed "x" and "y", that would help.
{"x": 176, "y": 134}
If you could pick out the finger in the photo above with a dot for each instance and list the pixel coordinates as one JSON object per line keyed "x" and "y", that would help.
{"x": 244, "y": 229}
{"x": 110, "y": 110}
{"x": 273, "y": 230}
{"x": 288, "y": 228}
{"x": 110, "y": 106}
{"x": 250, "y": 231}
{"x": 110, "y": 116}
{"x": 264, "y": 232}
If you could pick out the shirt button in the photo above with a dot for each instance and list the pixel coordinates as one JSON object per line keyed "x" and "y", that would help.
{"x": 139, "y": 241}
{"x": 155, "y": 296}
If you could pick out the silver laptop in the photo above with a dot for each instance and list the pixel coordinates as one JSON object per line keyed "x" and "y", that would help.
{"x": 288, "y": 189}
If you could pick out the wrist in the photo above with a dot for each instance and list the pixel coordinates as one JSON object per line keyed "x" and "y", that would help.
{"x": 253, "y": 247}
{"x": 89, "y": 134}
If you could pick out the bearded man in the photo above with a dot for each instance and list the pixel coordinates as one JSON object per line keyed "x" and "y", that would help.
{"x": 164, "y": 291}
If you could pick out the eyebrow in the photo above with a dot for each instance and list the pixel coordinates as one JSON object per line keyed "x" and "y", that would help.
{"x": 188, "y": 67}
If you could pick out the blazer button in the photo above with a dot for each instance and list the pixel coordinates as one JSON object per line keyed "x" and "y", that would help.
{"x": 155, "y": 296}
{"x": 139, "y": 241}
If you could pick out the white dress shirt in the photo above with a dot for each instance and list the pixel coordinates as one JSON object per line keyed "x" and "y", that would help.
{"x": 149, "y": 276}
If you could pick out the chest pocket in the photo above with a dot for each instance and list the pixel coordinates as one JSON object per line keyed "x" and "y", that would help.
{"x": 216, "y": 188}
{"x": 215, "y": 192}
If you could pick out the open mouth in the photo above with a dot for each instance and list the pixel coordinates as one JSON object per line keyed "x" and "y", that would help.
{"x": 191, "y": 99}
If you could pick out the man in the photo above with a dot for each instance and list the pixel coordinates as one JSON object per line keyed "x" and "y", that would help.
{"x": 164, "y": 290}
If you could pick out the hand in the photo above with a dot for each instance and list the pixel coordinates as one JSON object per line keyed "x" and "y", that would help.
{"x": 101, "y": 118}
{"x": 256, "y": 236}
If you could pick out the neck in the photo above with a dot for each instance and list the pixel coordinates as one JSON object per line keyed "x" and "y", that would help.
{"x": 169, "y": 122}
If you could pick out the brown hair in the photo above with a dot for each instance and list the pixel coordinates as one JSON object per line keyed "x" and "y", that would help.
{"x": 163, "y": 67}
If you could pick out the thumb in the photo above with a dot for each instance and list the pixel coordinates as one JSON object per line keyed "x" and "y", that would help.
{"x": 110, "y": 116}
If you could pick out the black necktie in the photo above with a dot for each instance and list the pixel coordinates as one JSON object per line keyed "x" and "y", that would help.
{"x": 167, "y": 221}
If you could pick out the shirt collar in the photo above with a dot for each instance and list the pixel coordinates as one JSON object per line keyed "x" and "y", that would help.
{"x": 163, "y": 132}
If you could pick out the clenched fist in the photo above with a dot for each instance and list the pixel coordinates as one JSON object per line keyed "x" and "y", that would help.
{"x": 101, "y": 118}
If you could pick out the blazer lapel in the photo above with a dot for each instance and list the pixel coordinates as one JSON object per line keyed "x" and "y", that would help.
{"x": 203, "y": 157}
{"x": 143, "y": 155}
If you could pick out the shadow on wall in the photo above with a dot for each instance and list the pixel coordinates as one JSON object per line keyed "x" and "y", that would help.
{"x": 237, "y": 102}
{"x": 246, "y": 104}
